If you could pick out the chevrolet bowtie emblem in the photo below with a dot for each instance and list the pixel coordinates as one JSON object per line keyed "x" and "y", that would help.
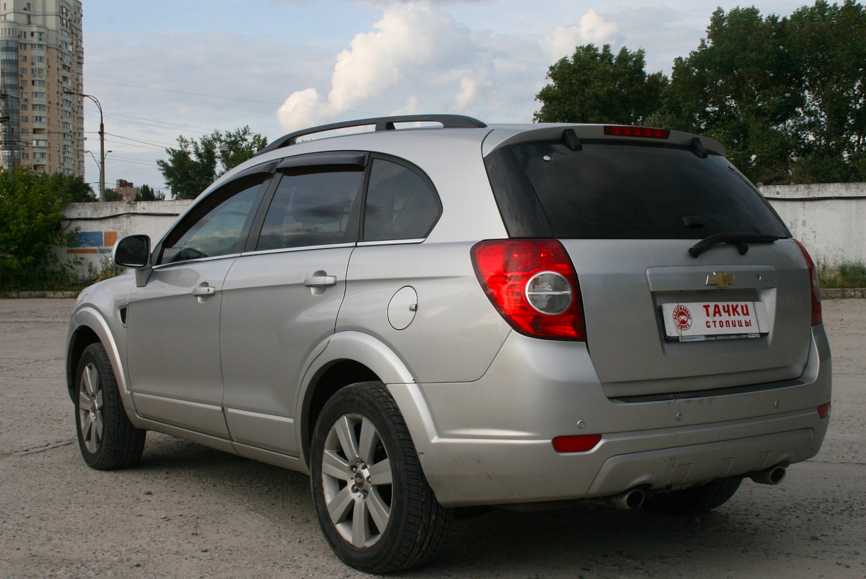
{"x": 720, "y": 279}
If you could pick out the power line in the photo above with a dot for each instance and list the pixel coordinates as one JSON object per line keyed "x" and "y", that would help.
{"x": 138, "y": 141}
{"x": 230, "y": 98}
{"x": 186, "y": 93}
{"x": 149, "y": 147}
{"x": 119, "y": 159}
{"x": 120, "y": 155}
{"x": 148, "y": 122}
{"x": 159, "y": 122}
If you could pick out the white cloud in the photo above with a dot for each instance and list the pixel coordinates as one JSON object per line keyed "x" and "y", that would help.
{"x": 303, "y": 108}
{"x": 595, "y": 29}
{"x": 196, "y": 79}
{"x": 418, "y": 56}
{"x": 561, "y": 42}
{"x": 469, "y": 88}
{"x": 591, "y": 29}
{"x": 154, "y": 87}
{"x": 158, "y": 77}
{"x": 410, "y": 107}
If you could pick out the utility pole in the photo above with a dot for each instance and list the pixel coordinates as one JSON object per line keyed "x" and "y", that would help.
{"x": 101, "y": 140}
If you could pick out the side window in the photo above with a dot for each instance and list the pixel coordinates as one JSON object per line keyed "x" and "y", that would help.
{"x": 313, "y": 206}
{"x": 217, "y": 224}
{"x": 400, "y": 204}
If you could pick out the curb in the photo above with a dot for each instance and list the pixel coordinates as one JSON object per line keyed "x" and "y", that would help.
{"x": 38, "y": 294}
{"x": 842, "y": 293}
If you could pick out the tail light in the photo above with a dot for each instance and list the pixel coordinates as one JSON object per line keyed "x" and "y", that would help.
{"x": 817, "y": 316}
{"x": 532, "y": 284}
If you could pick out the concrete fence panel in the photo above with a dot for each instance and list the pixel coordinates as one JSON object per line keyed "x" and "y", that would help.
{"x": 829, "y": 219}
{"x": 100, "y": 225}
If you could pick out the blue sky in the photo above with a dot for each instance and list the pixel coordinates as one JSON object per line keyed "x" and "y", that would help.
{"x": 186, "y": 67}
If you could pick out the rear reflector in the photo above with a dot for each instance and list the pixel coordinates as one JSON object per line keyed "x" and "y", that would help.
{"x": 576, "y": 443}
{"x": 644, "y": 132}
{"x": 817, "y": 316}
{"x": 824, "y": 410}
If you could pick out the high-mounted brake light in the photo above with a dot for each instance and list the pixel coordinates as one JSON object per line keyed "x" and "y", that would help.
{"x": 645, "y": 132}
{"x": 532, "y": 283}
{"x": 817, "y": 316}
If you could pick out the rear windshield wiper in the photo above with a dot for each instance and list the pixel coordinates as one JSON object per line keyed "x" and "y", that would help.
{"x": 738, "y": 239}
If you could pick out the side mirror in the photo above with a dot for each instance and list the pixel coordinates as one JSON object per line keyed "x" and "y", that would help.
{"x": 132, "y": 251}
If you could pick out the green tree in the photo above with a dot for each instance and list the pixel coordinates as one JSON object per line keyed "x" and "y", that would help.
{"x": 828, "y": 43}
{"x": 596, "y": 86}
{"x": 148, "y": 194}
{"x": 191, "y": 167}
{"x": 112, "y": 195}
{"x": 786, "y": 96}
{"x": 31, "y": 211}
{"x": 79, "y": 191}
{"x": 740, "y": 87}
{"x": 196, "y": 164}
{"x": 238, "y": 146}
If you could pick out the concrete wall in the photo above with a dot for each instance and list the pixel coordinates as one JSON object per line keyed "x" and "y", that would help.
{"x": 829, "y": 219}
{"x": 102, "y": 224}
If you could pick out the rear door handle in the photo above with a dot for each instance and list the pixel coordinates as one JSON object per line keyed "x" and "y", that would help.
{"x": 320, "y": 281}
{"x": 204, "y": 291}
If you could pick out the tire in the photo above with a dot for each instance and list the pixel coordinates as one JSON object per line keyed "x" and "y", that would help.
{"x": 373, "y": 502}
{"x": 105, "y": 436}
{"x": 695, "y": 501}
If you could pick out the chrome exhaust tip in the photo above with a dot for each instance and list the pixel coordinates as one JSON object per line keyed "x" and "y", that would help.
{"x": 771, "y": 476}
{"x": 628, "y": 500}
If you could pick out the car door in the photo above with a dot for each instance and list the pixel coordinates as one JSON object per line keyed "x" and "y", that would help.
{"x": 173, "y": 321}
{"x": 281, "y": 298}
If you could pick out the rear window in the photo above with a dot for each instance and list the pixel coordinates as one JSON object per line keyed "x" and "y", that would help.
{"x": 611, "y": 190}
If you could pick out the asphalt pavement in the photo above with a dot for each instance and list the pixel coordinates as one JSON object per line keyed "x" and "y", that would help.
{"x": 188, "y": 511}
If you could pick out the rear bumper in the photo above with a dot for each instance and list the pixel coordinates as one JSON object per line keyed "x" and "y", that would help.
{"x": 489, "y": 442}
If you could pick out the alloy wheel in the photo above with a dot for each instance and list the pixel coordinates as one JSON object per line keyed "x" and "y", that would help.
{"x": 90, "y": 408}
{"x": 357, "y": 480}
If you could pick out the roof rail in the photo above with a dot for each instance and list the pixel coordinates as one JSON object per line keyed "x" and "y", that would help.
{"x": 382, "y": 124}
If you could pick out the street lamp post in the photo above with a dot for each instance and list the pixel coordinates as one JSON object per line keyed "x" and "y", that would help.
{"x": 101, "y": 140}
{"x": 99, "y": 164}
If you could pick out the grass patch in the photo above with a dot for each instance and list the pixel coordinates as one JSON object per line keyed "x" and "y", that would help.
{"x": 62, "y": 279}
{"x": 44, "y": 285}
{"x": 843, "y": 275}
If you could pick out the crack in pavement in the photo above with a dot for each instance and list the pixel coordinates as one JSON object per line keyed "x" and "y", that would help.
{"x": 38, "y": 449}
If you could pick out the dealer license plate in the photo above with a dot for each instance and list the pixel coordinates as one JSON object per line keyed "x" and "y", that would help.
{"x": 705, "y": 321}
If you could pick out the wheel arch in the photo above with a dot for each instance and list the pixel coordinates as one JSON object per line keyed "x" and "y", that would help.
{"x": 347, "y": 358}
{"x": 91, "y": 327}
{"x": 82, "y": 337}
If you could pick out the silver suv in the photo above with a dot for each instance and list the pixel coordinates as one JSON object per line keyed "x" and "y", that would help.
{"x": 432, "y": 317}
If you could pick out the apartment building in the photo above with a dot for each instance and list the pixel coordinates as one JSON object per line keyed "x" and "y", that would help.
{"x": 41, "y": 66}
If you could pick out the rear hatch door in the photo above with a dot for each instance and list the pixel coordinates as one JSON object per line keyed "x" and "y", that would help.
{"x": 659, "y": 320}
{"x": 656, "y": 323}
